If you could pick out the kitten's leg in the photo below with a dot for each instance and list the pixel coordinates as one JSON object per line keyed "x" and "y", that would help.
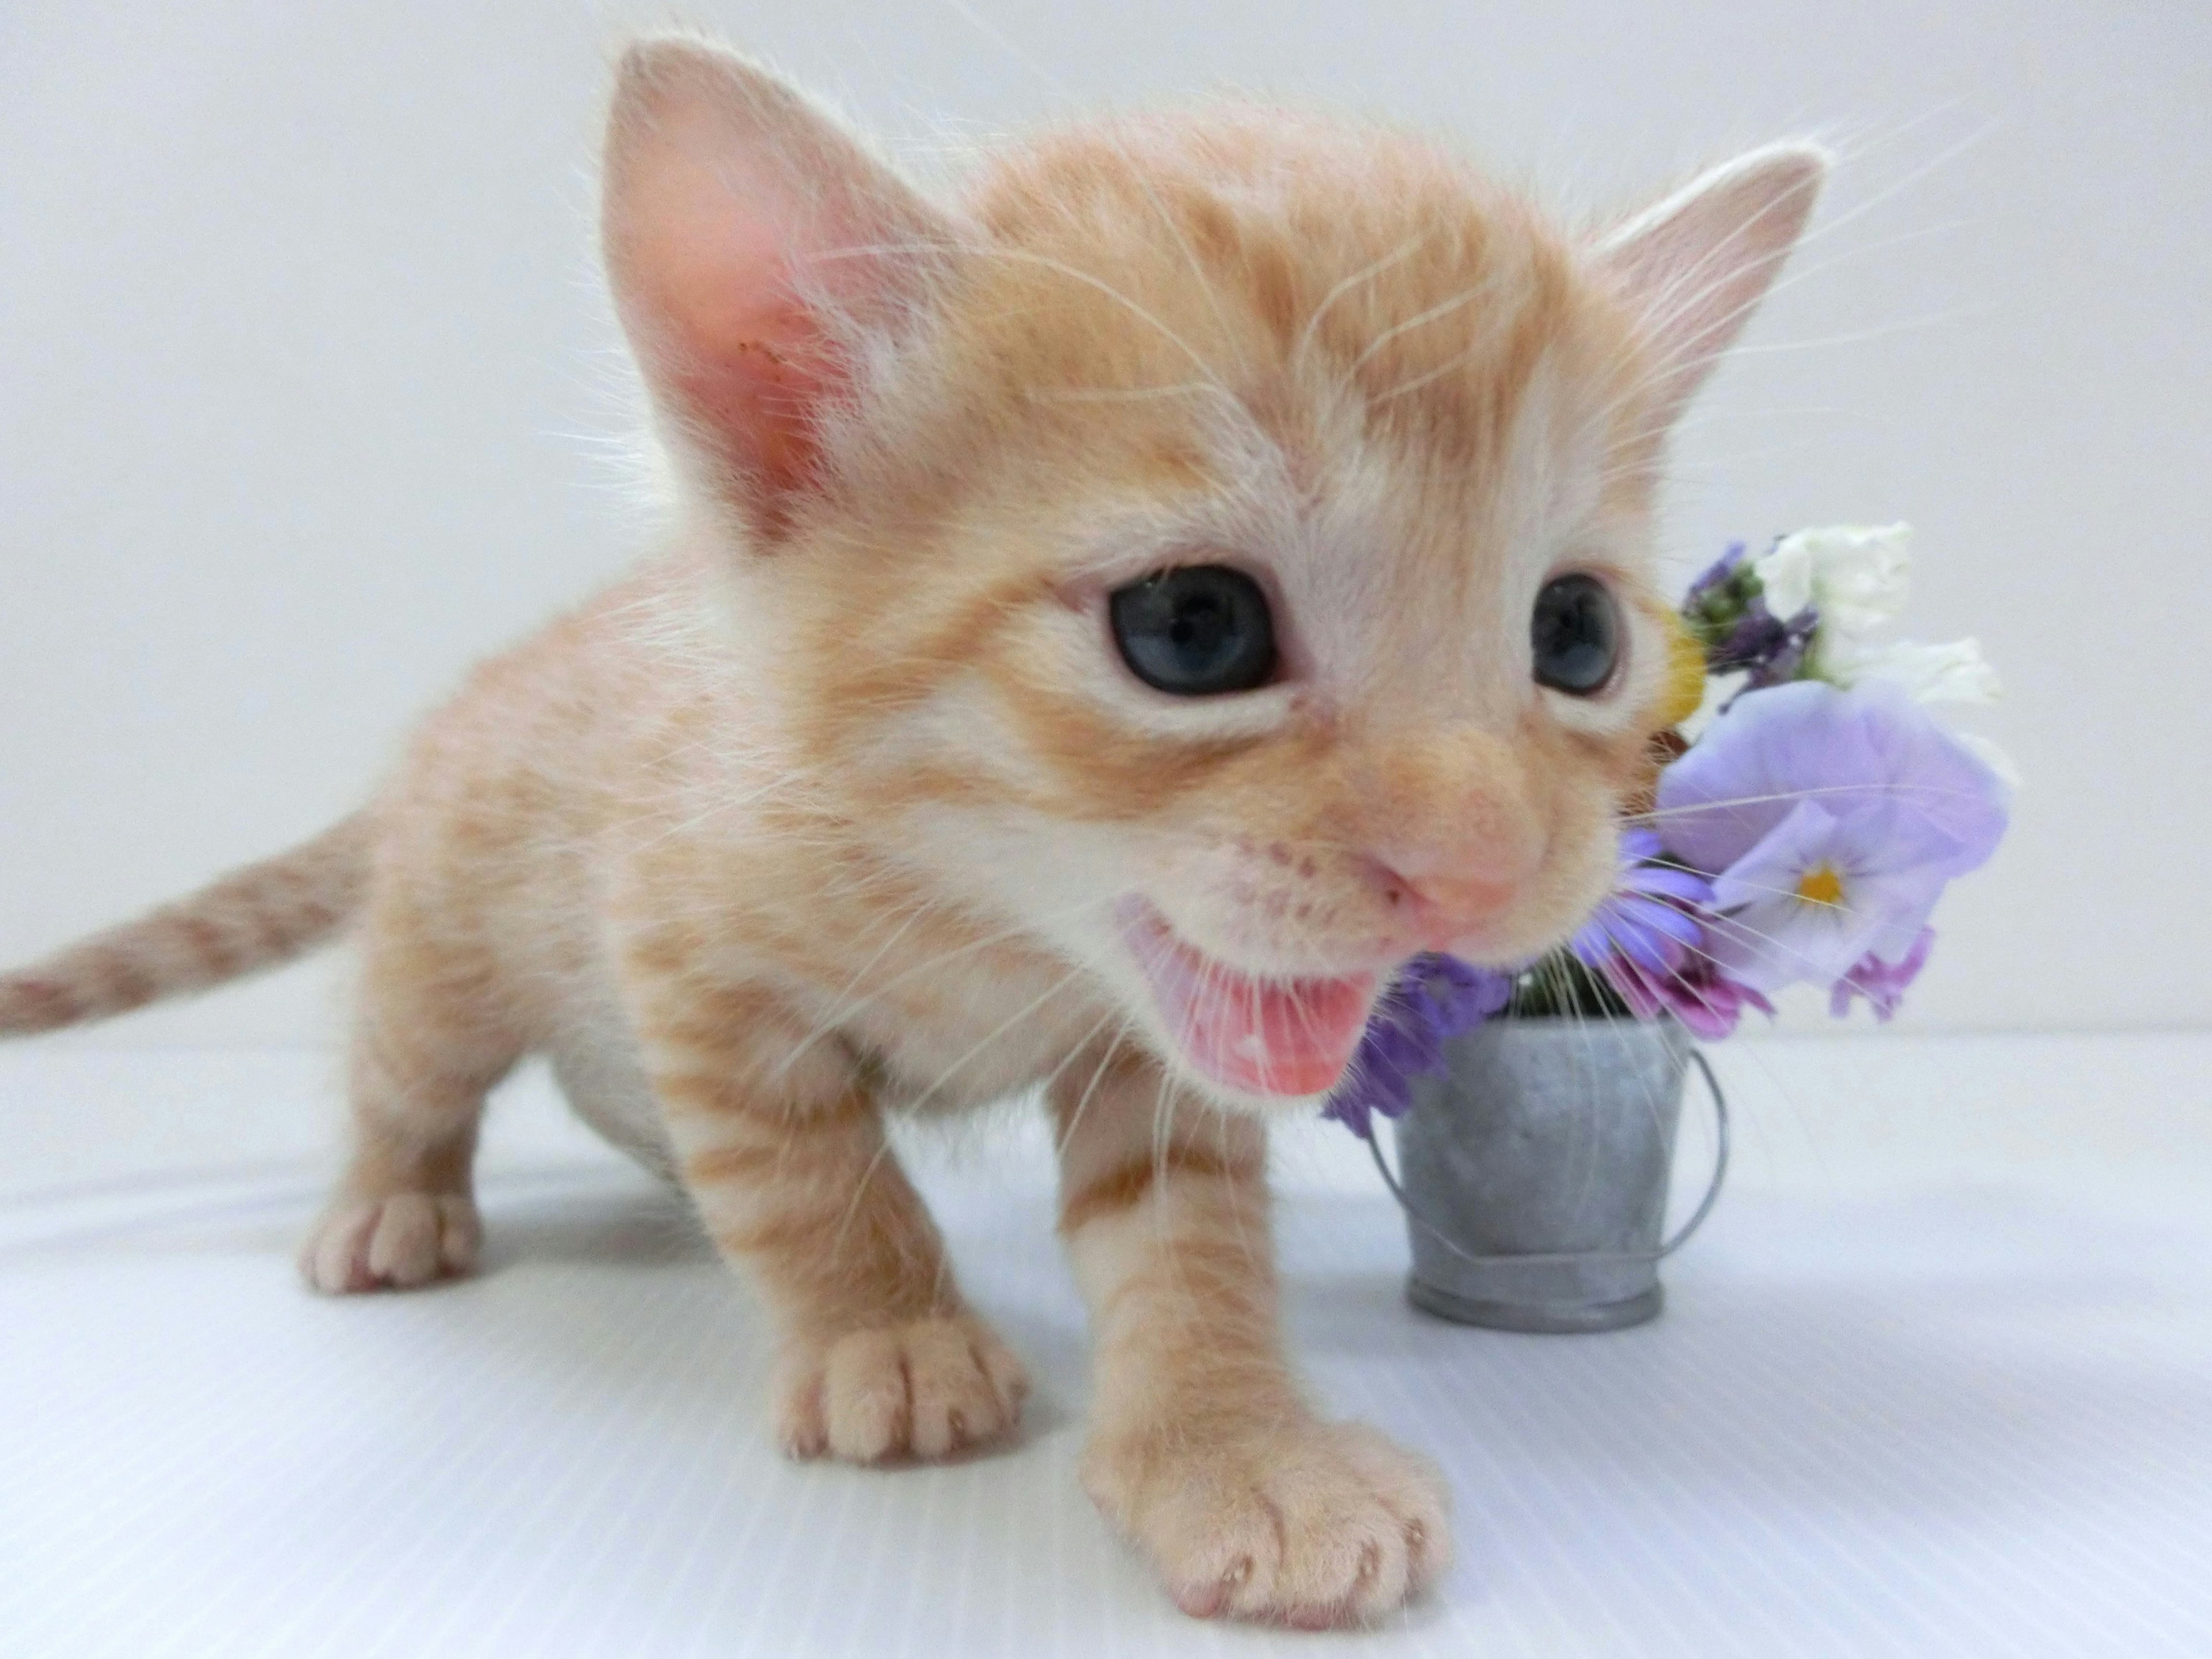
{"x": 786, "y": 1161}
{"x": 1202, "y": 1448}
{"x": 427, "y": 1044}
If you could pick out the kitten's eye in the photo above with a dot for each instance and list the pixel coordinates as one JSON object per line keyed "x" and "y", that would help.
{"x": 1197, "y": 631}
{"x": 1576, "y": 634}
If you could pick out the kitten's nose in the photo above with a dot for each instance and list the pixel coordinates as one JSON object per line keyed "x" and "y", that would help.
{"x": 1449, "y": 825}
{"x": 1439, "y": 908}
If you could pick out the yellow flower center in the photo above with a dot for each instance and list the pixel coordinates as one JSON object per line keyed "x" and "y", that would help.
{"x": 1686, "y": 674}
{"x": 1821, "y": 885}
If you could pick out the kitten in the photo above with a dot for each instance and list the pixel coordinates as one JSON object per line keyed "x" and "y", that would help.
{"x": 1110, "y": 621}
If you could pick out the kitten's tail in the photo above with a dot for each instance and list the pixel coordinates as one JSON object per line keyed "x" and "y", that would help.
{"x": 252, "y": 919}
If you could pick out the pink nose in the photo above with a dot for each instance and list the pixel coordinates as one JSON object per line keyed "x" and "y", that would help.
{"x": 1439, "y": 910}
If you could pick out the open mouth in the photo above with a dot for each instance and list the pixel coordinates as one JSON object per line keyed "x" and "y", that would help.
{"x": 1259, "y": 1036}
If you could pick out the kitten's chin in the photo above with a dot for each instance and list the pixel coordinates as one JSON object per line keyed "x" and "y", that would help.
{"x": 1269, "y": 1043}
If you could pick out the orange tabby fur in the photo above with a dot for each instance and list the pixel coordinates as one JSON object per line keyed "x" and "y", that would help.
{"x": 836, "y": 805}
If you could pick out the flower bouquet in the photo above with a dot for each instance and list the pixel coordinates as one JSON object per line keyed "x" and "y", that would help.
{"x": 1810, "y": 810}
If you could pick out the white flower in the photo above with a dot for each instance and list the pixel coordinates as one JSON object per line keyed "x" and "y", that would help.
{"x": 1957, "y": 672}
{"x": 1856, "y": 575}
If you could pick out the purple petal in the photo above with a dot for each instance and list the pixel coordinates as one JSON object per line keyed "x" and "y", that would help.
{"x": 1434, "y": 998}
{"x": 1678, "y": 925}
{"x": 1666, "y": 881}
{"x": 1883, "y": 984}
{"x": 1638, "y": 845}
{"x": 1808, "y": 740}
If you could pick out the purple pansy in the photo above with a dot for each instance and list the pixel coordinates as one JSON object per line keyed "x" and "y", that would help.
{"x": 1647, "y": 917}
{"x": 1706, "y": 1000}
{"x": 1830, "y": 822}
{"x": 1883, "y": 984}
{"x": 1434, "y": 998}
{"x": 1648, "y": 938}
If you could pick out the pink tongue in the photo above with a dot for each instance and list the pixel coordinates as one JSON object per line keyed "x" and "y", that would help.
{"x": 1261, "y": 1036}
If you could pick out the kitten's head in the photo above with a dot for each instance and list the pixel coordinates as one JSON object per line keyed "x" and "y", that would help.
{"x": 1219, "y": 545}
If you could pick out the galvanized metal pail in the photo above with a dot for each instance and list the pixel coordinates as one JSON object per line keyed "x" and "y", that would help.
{"x": 1535, "y": 1173}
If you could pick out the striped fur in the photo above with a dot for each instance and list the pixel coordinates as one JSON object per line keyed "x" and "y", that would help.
{"x": 841, "y": 804}
{"x": 250, "y": 920}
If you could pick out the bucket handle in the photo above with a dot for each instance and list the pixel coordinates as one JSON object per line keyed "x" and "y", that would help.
{"x": 1545, "y": 1259}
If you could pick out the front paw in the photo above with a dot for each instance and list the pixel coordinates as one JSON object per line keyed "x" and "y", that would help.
{"x": 925, "y": 1388}
{"x": 396, "y": 1241}
{"x": 1303, "y": 1523}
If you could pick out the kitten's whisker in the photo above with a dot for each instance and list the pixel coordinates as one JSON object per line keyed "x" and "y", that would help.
{"x": 1343, "y": 288}
{"x": 846, "y": 1010}
{"x": 913, "y": 1106}
{"x": 1078, "y": 1048}
{"x": 1449, "y": 365}
{"x": 1883, "y": 331}
{"x": 1257, "y": 1254}
{"x": 1137, "y": 170}
{"x": 1119, "y": 394}
{"x": 1107, "y": 1054}
{"x": 1030, "y": 929}
{"x": 1898, "y": 789}
{"x": 1802, "y": 272}
{"x": 1737, "y": 928}
{"x": 1434, "y": 313}
{"x": 1024, "y": 255}
{"x": 916, "y": 1102}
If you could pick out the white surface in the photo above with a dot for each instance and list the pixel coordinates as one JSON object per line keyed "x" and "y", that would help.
{"x": 304, "y": 394}
{"x": 1936, "y": 1381}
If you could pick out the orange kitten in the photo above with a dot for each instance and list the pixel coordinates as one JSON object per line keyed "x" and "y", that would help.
{"x": 1112, "y": 620}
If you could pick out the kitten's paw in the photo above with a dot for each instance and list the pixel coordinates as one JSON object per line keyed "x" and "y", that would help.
{"x": 1306, "y": 1523}
{"x": 926, "y": 1388}
{"x": 394, "y": 1243}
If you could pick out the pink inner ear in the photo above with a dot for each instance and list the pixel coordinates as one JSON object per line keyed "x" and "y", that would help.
{"x": 749, "y": 360}
{"x": 736, "y": 216}
{"x": 750, "y": 363}
{"x": 1696, "y": 265}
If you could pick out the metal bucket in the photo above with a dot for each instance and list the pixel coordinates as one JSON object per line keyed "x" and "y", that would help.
{"x": 1535, "y": 1173}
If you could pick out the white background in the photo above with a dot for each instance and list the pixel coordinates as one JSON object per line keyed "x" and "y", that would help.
{"x": 305, "y": 396}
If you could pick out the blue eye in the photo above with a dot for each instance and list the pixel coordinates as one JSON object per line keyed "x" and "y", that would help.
{"x": 1575, "y": 635}
{"x": 1197, "y": 631}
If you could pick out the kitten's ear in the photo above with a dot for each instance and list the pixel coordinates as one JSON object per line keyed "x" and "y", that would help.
{"x": 757, "y": 252}
{"x": 1694, "y": 266}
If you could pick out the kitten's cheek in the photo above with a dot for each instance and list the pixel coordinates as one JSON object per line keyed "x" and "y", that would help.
{"x": 1544, "y": 916}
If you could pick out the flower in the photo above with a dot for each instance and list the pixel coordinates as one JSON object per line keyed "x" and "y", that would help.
{"x": 1647, "y": 917}
{"x": 1856, "y": 578}
{"x": 1768, "y": 652}
{"x": 1435, "y": 999}
{"x": 1882, "y": 983}
{"x": 1648, "y": 936}
{"x": 1707, "y": 1001}
{"x": 1742, "y": 629}
{"x": 1957, "y": 672}
{"x": 1870, "y": 743}
{"x": 1853, "y": 581}
{"x": 1720, "y": 594}
{"x": 1820, "y": 891}
{"x": 1686, "y": 674}
{"x": 1830, "y": 822}
{"x": 1811, "y": 818}
{"x": 1723, "y": 576}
